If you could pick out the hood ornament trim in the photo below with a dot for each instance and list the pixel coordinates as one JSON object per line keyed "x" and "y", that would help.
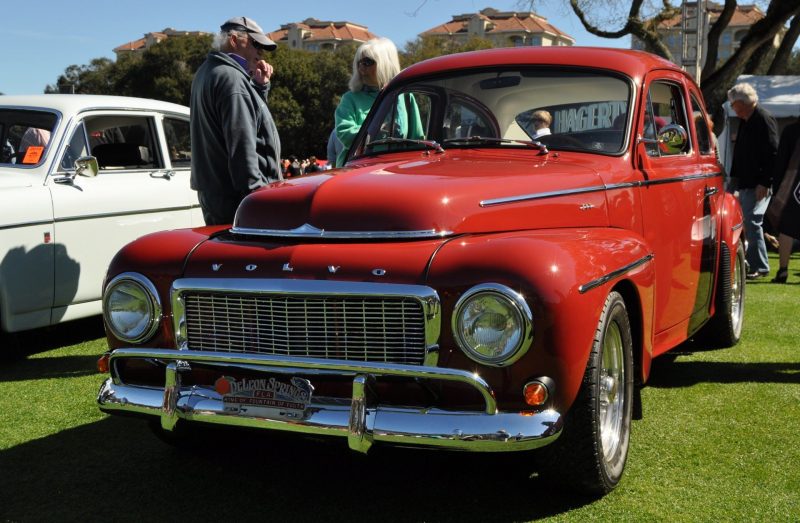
{"x": 309, "y": 231}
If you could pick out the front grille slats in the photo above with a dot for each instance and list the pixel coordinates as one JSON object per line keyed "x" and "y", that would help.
{"x": 358, "y": 328}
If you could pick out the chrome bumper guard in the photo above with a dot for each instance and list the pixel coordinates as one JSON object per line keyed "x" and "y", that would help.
{"x": 360, "y": 420}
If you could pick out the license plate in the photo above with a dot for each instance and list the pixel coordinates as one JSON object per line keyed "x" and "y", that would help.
{"x": 271, "y": 397}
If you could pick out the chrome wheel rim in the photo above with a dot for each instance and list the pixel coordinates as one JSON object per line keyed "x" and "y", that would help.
{"x": 612, "y": 394}
{"x": 737, "y": 294}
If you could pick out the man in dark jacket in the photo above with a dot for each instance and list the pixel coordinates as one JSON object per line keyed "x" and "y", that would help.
{"x": 235, "y": 145}
{"x": 752, "y": 167}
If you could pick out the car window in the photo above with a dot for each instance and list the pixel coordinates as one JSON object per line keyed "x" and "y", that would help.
{"x": 589, "y": 110}
{"x": 178, "y": 143}
{"x": 701, "y": 126}
{"x": 77, "y": 147}
{"x": 464, "y": 118}
{"x": 119, "y": 142}
{"x": 664, "y": 107}
{"x": 25, "y": 136}
{"x": 407, "y": 116}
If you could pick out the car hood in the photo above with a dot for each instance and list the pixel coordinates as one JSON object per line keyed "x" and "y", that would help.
{"x": 457, "y": 192}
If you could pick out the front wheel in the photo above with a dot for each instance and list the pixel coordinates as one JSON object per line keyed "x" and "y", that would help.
{"x": 593, "y": 448}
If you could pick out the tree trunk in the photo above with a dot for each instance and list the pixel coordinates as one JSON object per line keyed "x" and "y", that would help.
{"x": 781, "y": 61}
{"x": 715, "y": 86}
{"x": 712, "y": 47}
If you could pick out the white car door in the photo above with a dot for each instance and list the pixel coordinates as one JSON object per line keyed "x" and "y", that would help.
{"x": 134, "y": 193}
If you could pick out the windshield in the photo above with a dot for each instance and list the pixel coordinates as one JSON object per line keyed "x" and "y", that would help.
{"x": 502, "y": 107}
{"x": 25, "y": 136}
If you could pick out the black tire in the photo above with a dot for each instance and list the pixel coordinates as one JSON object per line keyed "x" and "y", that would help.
{"x": 591, "y": 453}
{"x": 724, "y": 329}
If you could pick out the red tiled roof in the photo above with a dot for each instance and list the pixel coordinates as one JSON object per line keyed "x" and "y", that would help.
{"x": 499, "y": 22}
{"x": 744, "y": 15}
{"x": 320, "y": 30}
{"x": 135, "y": 45}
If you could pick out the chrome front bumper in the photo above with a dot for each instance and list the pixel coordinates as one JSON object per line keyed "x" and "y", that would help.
{"x": 360, "y": 420}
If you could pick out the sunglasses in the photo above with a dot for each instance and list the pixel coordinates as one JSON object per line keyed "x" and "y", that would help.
{"x": 366, "y": 62}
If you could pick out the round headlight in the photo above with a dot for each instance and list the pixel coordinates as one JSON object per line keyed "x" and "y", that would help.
{"x": 493, "y": 324}
{"x": 131, "y": 307}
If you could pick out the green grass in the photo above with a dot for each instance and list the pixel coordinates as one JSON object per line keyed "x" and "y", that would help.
{"x": 719, "y": 441}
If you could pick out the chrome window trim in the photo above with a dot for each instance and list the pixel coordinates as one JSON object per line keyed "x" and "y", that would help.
{"x": 614, "y": 274}
{"x": 309, "y": 231}
{"x": 426, "y": 296}
{"x": 594, "y": 188}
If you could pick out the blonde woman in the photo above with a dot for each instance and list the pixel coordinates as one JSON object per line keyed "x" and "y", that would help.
{"x": 374, "y": 65}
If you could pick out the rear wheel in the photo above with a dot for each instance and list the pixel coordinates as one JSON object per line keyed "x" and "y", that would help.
{"x": 724, "y": 329}
{"x": 592, "y": 451}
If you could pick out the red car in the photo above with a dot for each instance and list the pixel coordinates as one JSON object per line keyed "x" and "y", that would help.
{"x": 464, "y": 282}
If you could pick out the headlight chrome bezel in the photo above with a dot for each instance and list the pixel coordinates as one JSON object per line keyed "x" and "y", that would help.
{"x": 516, "y": 302}
{"x": 153, "y": 303}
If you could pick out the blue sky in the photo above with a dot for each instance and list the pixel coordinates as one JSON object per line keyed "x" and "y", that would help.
{"x": 41, "y": 40}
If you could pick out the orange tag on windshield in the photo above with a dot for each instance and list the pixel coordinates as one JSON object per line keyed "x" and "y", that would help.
{"x": 33, "y": 154}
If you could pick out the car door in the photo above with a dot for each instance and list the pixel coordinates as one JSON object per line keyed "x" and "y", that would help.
{"x": 134, "y": 193}
{"x": 679, "y": 195}
{"x": 26, "y": 246}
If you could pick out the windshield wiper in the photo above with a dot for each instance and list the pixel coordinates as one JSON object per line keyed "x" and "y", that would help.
{"x": 430, "y": 144}
{"x": 487, "y": 139}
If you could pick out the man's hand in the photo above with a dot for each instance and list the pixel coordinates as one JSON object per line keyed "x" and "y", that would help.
{"x": 761, "y": 192}
{"x": 262, "y": 72}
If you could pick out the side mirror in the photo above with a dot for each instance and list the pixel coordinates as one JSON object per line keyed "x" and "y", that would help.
{"x": 672, "y": 139}
{"x": 87, "y": 166}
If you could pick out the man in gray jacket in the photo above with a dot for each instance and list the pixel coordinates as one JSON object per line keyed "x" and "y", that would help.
{"x": 235, "y": 145}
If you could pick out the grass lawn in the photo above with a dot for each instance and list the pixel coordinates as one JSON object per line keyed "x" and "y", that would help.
{"x": 719, "y": 441}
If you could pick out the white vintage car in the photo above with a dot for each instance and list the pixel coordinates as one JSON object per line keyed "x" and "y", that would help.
{"x": 60, "y": 226}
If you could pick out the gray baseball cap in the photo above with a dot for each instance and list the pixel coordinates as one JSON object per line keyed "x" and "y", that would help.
{"x": 248, "y": 25}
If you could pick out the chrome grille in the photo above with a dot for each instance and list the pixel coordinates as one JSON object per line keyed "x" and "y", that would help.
{"x": 388, "y": 329}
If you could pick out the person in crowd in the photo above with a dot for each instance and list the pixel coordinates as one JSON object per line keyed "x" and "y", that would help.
{"x": 752, "y": 168}
{"x": 541, "y": 121}
{"x": 312, "y": 166}
{"x": 235, "y": 144}
{"x": 786, "y": 190}
{"x": 295, "y": 169}
{"x": 374, "y": 65}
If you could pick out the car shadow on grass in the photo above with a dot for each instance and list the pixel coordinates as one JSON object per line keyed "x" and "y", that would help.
{"x": 49, "y": 368}
{"x": 117, "y": 470}
{"x": 20, "y": 345}
{"x": 671, "y": 372}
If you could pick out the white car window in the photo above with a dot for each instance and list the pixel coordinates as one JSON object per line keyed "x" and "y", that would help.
{"x": 25, "y": 136}
{"x": 178, "y": 143}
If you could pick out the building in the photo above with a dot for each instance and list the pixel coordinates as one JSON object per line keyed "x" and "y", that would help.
{"x": 318, "y": 35}
{"x": 150, "y": 39}
{"x": 503, "y": 29}
{"x": 744, "y": 17}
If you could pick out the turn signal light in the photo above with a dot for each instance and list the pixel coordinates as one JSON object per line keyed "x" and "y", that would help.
{"x": 102, "y": 363}
{"x": 535, "y": 393}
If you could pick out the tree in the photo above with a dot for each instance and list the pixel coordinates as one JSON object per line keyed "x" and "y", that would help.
{"x": 164, "y": 71}
{"x": 306, "y": 89}
{"x": 424, "y": 48}
{"x": 754, "y": 49}
{"x": 94, "y": 78}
